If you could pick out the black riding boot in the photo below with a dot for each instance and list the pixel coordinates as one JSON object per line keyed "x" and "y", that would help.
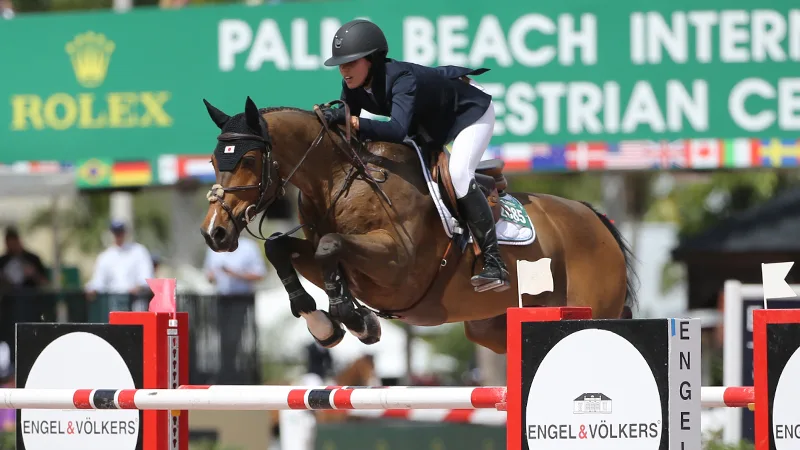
{"x": 478, "y": 214}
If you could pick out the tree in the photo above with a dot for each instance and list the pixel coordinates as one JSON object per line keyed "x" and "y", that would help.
{"x": 85, "y": 222}
{"x": 698, "y": 202}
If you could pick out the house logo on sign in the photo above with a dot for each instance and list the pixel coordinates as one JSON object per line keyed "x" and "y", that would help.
{"x": 230, "y": 148}
{"x": 593, "y": 403}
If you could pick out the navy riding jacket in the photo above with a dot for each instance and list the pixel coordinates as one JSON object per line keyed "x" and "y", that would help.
{"x": 427, "y": 102}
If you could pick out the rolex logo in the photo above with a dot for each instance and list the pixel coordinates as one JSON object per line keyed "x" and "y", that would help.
{"x": 90, "y": 54}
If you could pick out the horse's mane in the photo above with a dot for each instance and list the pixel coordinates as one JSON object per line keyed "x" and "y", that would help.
{"x": 283, "y": 108}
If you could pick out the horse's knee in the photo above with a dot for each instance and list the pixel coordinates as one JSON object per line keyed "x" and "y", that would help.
{"x": 279, "y": 255}
{"x": 276, "y": 248}
{"x": 329, "y": 248}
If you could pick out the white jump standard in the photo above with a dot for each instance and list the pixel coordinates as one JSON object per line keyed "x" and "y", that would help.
{"x": 598, "y": 384}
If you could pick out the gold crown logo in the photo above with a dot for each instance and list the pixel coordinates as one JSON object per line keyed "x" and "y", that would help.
{"x": 90, "y": 54}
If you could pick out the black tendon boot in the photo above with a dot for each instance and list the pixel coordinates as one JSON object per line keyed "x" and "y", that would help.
{"x": 476, "y": 211}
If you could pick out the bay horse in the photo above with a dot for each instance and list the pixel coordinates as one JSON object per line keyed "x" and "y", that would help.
{"x": 374, "y": 236}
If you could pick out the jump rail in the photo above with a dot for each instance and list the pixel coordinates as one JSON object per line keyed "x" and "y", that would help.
{"x": 263, "y": 398}
{"x": 162, "y": 362}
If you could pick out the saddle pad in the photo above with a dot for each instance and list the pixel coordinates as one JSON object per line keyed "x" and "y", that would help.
{"x": 514, "y": 227}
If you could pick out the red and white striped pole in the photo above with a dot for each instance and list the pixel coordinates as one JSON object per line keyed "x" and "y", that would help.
{"x": 265, "y": 398}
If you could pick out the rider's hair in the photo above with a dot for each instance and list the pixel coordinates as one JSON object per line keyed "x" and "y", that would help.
{"x": 377, "y": 59}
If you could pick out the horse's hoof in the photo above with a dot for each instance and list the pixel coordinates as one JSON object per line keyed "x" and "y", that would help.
{"x": 369, "y": 331}
{"x": 333, "y": 340}
{"x": 332, "y": 330}
{"x": 342, "y": 308}
{"x": 302, "y": 304}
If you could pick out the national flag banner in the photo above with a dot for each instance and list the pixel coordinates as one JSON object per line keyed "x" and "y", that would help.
{"x": 492, "y": 152}
{"x": 94, "y": 173}
{"x": 742, "y": 153}
{"x": 167, "y": 169}
{"x": 669, "y": 154}
{"x": 582, "y": 156}
{"x": 548, "y": 157}
{"x": 705, "y": 153}
{"x": 780, "y": 153}
{"x": 518, "y": 156}
{"x": 197, "y": 167}
{"x": 131, "y": 173}
{"x": 30, "y": 167}
{"x": 23, "y": 167}
{"x": 628, "y": 155}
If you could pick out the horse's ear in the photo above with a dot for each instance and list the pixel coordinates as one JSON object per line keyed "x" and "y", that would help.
{"x": 219, "y": 117}
{"x": 251, "y": 115}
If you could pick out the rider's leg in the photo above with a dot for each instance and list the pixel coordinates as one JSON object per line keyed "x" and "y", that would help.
{"x": 468, "y": 147}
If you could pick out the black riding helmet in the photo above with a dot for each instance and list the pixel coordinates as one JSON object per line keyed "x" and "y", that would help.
{"x": 356, "y": 39}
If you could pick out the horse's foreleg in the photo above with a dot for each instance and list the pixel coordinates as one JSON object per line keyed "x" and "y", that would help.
{"x": 374, "y": 254}
{"x": 284, "y": 254}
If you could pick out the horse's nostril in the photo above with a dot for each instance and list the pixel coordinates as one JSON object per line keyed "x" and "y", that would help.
{"x": 218, "y": 234}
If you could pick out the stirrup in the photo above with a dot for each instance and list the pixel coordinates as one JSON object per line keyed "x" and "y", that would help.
{"x": 496, "y": 285}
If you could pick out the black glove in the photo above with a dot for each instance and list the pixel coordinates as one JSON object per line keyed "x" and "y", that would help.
{"x": 334, "y": 116}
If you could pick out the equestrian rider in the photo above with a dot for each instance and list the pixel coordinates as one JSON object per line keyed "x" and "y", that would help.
{"x": 433, "y": 103}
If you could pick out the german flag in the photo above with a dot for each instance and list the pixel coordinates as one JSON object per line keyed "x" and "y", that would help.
{"x": 131, "y": 173}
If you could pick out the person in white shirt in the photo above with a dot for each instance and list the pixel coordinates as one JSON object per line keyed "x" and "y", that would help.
{"x": 235, "y": 275}
{"x": 236, "y": 272}
{"x": 121, "y": 270}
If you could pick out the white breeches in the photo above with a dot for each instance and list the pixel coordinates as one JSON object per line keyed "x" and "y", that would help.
{"x": 468, "y": 148}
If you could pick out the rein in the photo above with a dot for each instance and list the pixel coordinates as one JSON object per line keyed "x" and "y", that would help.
{"x": 269, "y": 191}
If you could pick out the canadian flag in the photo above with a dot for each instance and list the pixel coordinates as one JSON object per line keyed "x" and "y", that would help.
{"x": 705, "y": 153}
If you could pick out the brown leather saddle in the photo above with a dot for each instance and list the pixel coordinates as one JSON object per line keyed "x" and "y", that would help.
{"x": 488, "y": 175}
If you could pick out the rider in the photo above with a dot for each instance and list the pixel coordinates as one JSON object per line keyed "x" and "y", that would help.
{"x": 433, "y": 103}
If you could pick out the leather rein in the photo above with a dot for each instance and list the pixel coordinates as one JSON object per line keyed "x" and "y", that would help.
{"x": 269, "y": 190}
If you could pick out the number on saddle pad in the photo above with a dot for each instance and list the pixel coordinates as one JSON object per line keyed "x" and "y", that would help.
{"x": 512, "y": 211}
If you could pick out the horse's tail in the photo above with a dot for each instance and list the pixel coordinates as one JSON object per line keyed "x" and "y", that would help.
{"x": 631, "y": 299}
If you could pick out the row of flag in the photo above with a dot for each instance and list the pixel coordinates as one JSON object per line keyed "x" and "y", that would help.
{"x": 698, "y": 154}
{"x": 647, "y": 155}
{"x": 104, "y": 173}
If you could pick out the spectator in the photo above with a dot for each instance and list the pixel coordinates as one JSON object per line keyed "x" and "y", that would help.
{"x": 19, "y": 268}
{"x": 6, "y": 9}
{"x": 319, "y": 361}
{"x": 236, "y": 272}
{"x": 121, "y": 271}
{"x": 21, "y": 275}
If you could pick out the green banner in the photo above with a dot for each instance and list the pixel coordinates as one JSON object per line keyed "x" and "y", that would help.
{"x": 130, "y": 86}
{"x": 406, "y": 435}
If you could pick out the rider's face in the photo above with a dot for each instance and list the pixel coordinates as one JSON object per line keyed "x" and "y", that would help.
{"x": 355, "y": 72}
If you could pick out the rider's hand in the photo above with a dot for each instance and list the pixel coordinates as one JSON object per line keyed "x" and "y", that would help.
{"x": 334, "y": 116}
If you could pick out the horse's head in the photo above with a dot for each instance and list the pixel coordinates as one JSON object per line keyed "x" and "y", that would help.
{"x": 247, "y": 179}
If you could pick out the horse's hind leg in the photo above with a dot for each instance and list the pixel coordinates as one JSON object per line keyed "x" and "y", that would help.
{"x": 374, "y": 253}
{"x": 489, "y": 333}
{"x": 286, "y": 253}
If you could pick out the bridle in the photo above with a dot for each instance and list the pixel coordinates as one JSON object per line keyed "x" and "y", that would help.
{"x": 269, "y": 191}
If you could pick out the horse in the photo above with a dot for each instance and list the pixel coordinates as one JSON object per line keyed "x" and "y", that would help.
{"x": 361, "y": 372}
{"x": 376, "y": 241}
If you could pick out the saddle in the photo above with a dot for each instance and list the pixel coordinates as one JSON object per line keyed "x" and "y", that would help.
{"x": 488, "y": 175}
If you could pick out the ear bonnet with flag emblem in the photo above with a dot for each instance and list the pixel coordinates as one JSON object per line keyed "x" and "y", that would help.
{"x": 250, "y": 132}
{"x": 240, "y": 134}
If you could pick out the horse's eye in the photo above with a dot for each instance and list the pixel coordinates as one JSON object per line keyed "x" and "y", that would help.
{"x": 249, "y": 162}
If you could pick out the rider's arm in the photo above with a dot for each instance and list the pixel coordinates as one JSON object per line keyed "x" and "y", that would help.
{"x": 396, "y": 129}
